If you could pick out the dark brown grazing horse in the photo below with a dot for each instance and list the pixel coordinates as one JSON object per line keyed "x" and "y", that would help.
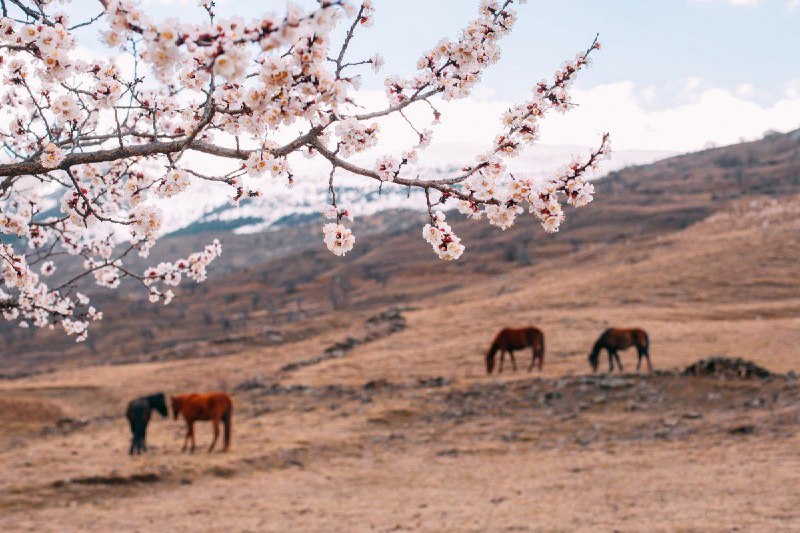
{"x": 614, "y": 339}
{"x": 138, "y": 414}
{"x": 214, "y": 406}
{"x": 510, "y": 339}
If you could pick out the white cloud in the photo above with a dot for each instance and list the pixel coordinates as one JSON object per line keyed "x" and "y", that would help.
{"x": 708, "y": 115}
{"x": 745, "y": 90}
{"x": 716, "y": 115}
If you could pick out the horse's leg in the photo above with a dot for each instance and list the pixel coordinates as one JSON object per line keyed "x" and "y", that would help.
{"x": 502, "y": 360}
{"x": 138, "y": 435}
{"x": 619, "y": 363}
{"x": 639, "y": 360}
{"x": 215, "y": 421}
{"x": 649, "y": 366}
{"x": 133, "y": 437}
{"x": 513, "y": 361}
{"x": 610, "y": 361}
{"x": 186, "y": 438}
{"x": 191, "y": 433}
{"x": 533, "y": 358}
{"x": 144, "y": 437}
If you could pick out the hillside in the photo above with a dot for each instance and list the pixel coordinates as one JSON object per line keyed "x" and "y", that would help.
{"x": 283, "y": 286}
{"x": 368, "y": 408}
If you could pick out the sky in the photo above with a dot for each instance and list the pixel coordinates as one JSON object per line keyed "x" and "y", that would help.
{"x": 673, "y": 75}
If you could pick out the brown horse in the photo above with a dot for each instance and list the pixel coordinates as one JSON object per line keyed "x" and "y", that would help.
{"x": 214, "y": 406}
{"x": 614, "y": 339}
{"x": 510, "y": 339}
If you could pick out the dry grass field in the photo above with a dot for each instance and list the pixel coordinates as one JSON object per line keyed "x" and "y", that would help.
{"x": 401, "y": 430}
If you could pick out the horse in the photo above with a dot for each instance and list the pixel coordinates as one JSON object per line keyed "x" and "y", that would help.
{"x": 214, "y": 406}
{"x": 510, "y": 339}
{"x": 138, "y": 414}
{"x": 614, "y": 339}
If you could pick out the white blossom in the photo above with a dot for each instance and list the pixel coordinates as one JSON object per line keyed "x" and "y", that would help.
{"x": 208, "y": 101}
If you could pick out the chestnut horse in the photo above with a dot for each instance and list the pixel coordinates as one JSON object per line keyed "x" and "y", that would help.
{"x": 214, "y": 406}
{"x": 510, "y": 339}
{"x": 614, "y": 339}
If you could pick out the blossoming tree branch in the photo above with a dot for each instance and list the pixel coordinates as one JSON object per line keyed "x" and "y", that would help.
{"x": 105, "y": 141}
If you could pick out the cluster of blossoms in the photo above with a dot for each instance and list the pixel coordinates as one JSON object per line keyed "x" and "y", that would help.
{"x": 337, "y": 237}
{"x": 440, "y": 236}
{"x": 166, "y": 273}
{"x": 454, "y": 67}
{"x": 355, "y": 137}
{"x": 108, "y": 140}
{"x": 174, "y": 182}
{"x": 262, "y": 161}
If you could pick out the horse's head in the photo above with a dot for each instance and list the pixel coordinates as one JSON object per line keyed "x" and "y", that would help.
{"x": 594, "y": 359}
{"x": 489, "y": 363}
{"x": 159, "y": 403}
{"x": 176, "y": 406}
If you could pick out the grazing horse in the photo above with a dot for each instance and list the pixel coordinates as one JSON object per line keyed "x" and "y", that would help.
{"x": 614, "y": 339}
{"x": 510, "y": 339}
{"x": 138, "y": 414}
{"x": 214, "y": 406}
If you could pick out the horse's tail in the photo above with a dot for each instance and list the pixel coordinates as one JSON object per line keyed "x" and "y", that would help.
{"x": 541, "y": 350}
{"x": 227, "y": 422}
{"x": 646, "y": 342}
{"x": 490, "y": 356}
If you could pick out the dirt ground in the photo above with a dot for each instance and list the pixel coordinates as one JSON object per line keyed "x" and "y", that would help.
{"x": 662, "y": 452}
{"x": 404, "y": 431}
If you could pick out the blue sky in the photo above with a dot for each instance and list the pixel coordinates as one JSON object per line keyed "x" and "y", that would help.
{"x": 653, "y": 42}
{"x": 663, "y": 61}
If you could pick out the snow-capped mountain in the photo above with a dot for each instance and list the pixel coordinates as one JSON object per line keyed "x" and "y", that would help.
{"x": 203, "y": 206}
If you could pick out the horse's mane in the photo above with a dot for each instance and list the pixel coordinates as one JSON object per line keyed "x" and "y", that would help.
{"x": 598, "y": 345}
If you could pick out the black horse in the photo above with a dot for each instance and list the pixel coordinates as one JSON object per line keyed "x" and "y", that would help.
{"x": 138, "y": 414}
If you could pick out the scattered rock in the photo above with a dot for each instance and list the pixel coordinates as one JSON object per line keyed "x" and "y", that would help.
{"x": 744, "y": 429}
{"x": 109, "y": 480}
{"x": 663, "y": 433}
{"x": 388, "y": 322}
{"x": 66, "y": 425}
{"x": 756, "y": 402}
{"x": 378, "y": 326}
{"x": 550, "y": 396}
{"x": 272, "y": 336}
{"x": 438, "y": 381}
{"x": 727, "y": 367}
{"x": 632, "y": 406}
{"x": 669, "y": 422}
{"x": 614, "y": 383}
{"x": 256, "y": 382}
{"x": 692, "y": 415}
{"x": 222, "y": 471}
{"x": 376, "y": 384}
{"x": 450, "y": 452}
